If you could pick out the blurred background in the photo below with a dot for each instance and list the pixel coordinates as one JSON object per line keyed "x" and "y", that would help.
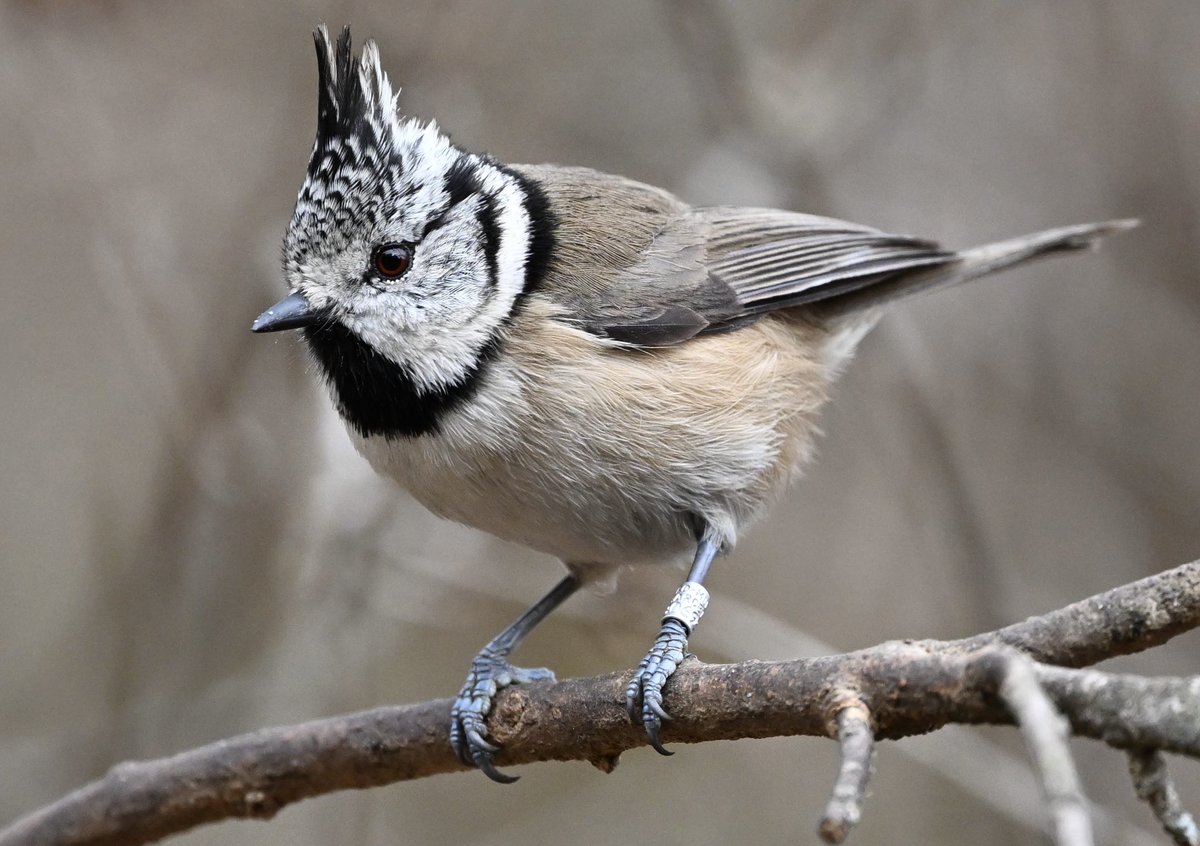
{"x": 191, "y": 549}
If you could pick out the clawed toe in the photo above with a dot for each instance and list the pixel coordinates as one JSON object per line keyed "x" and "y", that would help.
{"x": 468, "y": 717}
{"x": 643, "y": 695}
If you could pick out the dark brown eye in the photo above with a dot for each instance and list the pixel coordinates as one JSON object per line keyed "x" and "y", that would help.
{"x": 392, "y": 260}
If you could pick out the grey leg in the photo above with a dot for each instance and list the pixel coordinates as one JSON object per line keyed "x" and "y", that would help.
{"x": 490, "y": 672}
{"x": 643, "y": 696}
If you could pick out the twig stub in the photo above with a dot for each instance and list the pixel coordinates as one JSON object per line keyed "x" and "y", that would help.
{"x": 856, "y": 739}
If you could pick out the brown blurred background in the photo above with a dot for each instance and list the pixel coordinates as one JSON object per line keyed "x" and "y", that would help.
{"x": 191, "y": 549}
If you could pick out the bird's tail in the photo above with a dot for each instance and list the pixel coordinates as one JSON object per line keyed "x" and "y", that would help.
{"x": 971, "y": 264}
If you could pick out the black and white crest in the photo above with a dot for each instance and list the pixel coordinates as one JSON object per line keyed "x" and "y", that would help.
{"x": 342, "y": 99}
{"x": 365, "y": 156}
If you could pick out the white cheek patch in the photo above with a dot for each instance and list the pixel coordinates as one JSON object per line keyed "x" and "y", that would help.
{"x": 452, "y": 267}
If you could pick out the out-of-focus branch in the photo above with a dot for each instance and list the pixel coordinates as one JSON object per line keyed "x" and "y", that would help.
{"x": 905, "y": 687}
{"x": 1046, "y": 736}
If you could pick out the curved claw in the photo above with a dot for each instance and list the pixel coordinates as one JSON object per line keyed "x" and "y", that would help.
{"x": 652, "y": 732}
{"x": 483, "y": 760}
{"x": 653, "y": 716}
{"x": 656, "y": 706}
{"x": 475, "y": 739}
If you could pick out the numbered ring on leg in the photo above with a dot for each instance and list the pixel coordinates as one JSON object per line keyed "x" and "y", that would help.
{"x": 688, "y": 605}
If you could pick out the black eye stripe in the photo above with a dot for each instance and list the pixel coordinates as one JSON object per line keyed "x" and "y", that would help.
{"x": 460, "y": 182}
{"x": 436, "y": 222}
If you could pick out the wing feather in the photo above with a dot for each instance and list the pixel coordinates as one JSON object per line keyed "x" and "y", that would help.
{"x": 775, "y": 260}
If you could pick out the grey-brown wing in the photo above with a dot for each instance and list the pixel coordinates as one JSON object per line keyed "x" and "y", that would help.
{"x": 774, "y": 260}
{"x": 713, "y": 269}
{"x": 637, "y": 265}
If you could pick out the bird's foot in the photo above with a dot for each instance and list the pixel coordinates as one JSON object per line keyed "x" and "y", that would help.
{"x": 489, "y": 674}
{"x": 643, "y": 696}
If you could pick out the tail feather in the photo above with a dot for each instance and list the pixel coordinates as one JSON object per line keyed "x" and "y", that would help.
{"x": 973, "y": 263}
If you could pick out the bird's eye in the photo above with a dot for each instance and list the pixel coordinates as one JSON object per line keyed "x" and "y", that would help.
{"x": 392, "y": 260}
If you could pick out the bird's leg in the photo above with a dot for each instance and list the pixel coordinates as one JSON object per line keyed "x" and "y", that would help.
{"x": 490, "y": 672}
{"x": 643, "y": 696}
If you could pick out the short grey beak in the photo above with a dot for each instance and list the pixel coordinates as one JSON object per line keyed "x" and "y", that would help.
{"x": 292, "y": 312}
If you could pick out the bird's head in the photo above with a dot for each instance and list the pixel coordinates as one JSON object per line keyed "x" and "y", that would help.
{"x": 405, "y": 255}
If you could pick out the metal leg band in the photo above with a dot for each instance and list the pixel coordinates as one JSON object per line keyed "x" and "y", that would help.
{"x": 688, "y": 605}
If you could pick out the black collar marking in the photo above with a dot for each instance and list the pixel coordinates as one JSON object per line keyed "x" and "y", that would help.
{"x": 376, "y": 396}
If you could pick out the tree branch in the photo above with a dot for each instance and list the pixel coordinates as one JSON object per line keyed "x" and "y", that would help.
{"x": 1128, "y": 619}
{"x": 906, "y": 688}
{"x": 857, "y": 742}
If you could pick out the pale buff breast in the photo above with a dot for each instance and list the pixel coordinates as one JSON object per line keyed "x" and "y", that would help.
{"x": 598, "y": 455}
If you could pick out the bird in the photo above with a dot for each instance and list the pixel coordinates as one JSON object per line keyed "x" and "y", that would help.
{"x": 576, "y": 361}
